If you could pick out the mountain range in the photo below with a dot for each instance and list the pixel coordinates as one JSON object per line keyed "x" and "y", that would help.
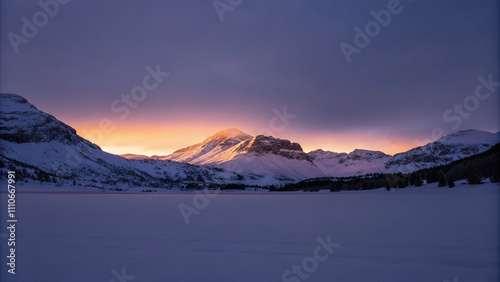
{"x": 34, "y": 141}
{"x": 235, "y": 150}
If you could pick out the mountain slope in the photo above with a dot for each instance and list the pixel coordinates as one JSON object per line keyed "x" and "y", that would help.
{"x": 235, "y": 150}
{"x": 449, "y": 148}
{"x": 214, "y": 150}
{"x": 357, "y": 162}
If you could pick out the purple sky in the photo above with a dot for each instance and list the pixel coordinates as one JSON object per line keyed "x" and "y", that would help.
{"x": 263, "y": 55}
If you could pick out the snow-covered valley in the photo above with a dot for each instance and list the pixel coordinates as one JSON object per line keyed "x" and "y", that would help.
{"x": 413, "y": 234}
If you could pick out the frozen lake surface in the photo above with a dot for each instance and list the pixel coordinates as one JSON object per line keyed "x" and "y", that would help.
{"x": 412, "y": 234}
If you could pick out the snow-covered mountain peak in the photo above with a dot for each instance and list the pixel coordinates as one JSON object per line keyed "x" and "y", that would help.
{"x": 230, "y": 133}
{"x": 470, "y": 136}
{"x": 366, "y": 154}
{"x": 21, "y": 122}
{"x": 322, "y": 154}
{"x": 10, "y": 103}
{"x": 135, "y": 157}
{"x": 449, "y": 148}
{"x": 357, "y": 154}
{"x": 356, "y": 162}
{"x": 233, "y": 149}
{"x": 361, "y": 152}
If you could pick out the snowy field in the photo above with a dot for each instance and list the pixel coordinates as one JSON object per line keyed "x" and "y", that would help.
{"x": 412, "y": 234}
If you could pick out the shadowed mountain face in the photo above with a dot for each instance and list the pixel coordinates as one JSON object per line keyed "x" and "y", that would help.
{"x": 34, "y": 139}
{"x": 231, "y": 143}
{"x": 21, "y": 122}
{"x": 235, "y": 150}
{"x": 261, "y": 145}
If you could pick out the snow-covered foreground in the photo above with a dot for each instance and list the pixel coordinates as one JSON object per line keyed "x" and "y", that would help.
{"x": 413, "y": 234}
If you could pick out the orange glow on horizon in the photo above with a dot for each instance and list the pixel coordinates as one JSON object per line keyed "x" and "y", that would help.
{"x": 143, "y": 140}
{"x": 347, "y": 142}
{"x": 155, "y": 139}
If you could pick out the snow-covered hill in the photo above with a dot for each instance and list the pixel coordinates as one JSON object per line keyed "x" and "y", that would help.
{"x": 449, "y": 148}
{"x": 357, "y": 162}
{"x": 135, "y": 157}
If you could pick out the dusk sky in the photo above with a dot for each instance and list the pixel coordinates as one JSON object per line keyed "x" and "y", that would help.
{"x": 262, "y": 55}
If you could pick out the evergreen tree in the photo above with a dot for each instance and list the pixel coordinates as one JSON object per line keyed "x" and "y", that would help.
{"x": 418, "y": 181}
{"x": 412, "y": 178}
{"x": 432, "y": 176}
{"x": 474, "y": 179}
{"x": 441, "y": 179}
{"x": 451, "y": 184}
{"x": 365, "y": 185}
{"x": 402, "y": 180}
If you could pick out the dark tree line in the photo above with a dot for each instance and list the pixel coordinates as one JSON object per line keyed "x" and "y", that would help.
{"x": 227, "y": 186}
{"x": 474, "y": 169}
